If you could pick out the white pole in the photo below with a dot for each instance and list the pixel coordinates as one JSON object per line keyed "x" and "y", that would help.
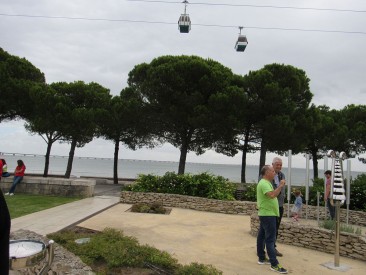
{"x": 307, "y": 184}
{"x": 348, "y": 186}
{"x": 289, "y": 182}
{"x": 325, "y": 184}
{"x": 318, "y": 205}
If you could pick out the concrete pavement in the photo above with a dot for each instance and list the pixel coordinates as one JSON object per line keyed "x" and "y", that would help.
{"x": 56, "y": 218}
{"x": 211, "y": 238}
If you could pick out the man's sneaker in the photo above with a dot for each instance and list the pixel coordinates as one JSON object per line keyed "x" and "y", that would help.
{"x": 278, "y": 254}
{"x": 11, "y": 194}
{"x": 263, "y": 262}
{"x": 7, "y": 193}
{"x": 279, "y": 269}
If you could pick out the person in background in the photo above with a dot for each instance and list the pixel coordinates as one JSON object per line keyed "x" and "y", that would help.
{"x": 296, "y": 209}
{"x": 277, "y": 166}
{"x": 4, "y": 232}
{"x": 5, "y": 172}
{"x": 268, "y": 211}
{"x": 18, "y": 176}
{"x": 331, "y": 208}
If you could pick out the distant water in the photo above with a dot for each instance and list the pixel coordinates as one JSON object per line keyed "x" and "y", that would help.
{"x": 129, "y": 168}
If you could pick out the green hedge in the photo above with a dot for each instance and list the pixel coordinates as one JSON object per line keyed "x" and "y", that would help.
{"x": 250, "y": 193}
{"x": 358, "y": 193}
{"x": 200, "y": 185}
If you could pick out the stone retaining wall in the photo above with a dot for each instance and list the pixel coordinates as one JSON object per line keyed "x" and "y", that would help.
{"x": 354, "y": 217}
{"x": 228, "y": 207}
{"x": 320, "y": 239}
{"x": 188, "y": 202}
{"x": 51, "y": 186}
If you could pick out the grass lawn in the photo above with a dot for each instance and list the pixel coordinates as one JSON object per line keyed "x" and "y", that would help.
{"x": 24, "y": 204}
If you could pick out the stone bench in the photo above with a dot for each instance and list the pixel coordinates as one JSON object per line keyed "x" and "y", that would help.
{"x": 73, "y": 187}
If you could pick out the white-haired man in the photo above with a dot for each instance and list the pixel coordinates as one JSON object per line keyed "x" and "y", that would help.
{"x": 277, "y": 166}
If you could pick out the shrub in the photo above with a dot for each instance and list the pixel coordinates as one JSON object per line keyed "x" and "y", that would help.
{"x": 318, "y": 182}
{"x": 347, "y": 228}
{"x": 198, "y": 269}
{"x": 328, "y": 224}
{"x": 155, "y": 208}
{"x": 111, "y": 249}
{"x": 250, "y": 193}
{"x": 331, "y": 224}
{"x": 140, "y": 208}
{"x": 358, "y": 231}
{"x": 358, "y": 193}
{"x": 200, "y": 185}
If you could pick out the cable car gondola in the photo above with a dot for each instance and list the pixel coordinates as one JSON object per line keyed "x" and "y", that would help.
{"x": 242, "y": 42}
{"x": 184, "y": 22}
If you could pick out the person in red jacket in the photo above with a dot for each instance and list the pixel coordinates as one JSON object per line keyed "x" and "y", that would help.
{"x": 18, "y": 176}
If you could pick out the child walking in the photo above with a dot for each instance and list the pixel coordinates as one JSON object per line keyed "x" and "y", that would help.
{"x": 296, "y": 209}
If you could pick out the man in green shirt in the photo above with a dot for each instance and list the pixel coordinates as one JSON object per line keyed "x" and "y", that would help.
{"x": 268, "y": 211}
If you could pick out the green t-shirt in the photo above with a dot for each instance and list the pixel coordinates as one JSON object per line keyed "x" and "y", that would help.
{"x": 266, "y": 205}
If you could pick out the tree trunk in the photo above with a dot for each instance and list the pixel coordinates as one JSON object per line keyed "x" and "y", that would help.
{"x": 315, "y": 164}
{"x": 262, "y": 159}
{"x": 47, "y": 159}
{"x": 243, "y": 166}
{"x": 244, "y": 157}
{"x": 71, "y": 159}
{"x": 183, "y": 152}
{"x": 183, "y": 158}
{"x": 115, "y": 162}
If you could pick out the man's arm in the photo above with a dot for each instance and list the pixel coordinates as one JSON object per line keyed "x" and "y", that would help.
{"x": 273, "y": 194}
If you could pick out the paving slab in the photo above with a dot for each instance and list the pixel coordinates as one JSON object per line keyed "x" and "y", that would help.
{"x": 56, "y": 218}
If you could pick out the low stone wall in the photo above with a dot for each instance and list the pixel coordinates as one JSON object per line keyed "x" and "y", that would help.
{"x": 188, "y": 202}
{"x": 51, "y": 186}
{"x": 228, "y": 207}
{"x": 320, "y": 239}
{"x": 354, "y": 217}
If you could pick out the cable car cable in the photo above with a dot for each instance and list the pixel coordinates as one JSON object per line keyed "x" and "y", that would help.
{"x": 86, "y": 18}
{"x": 253, "y": 6}
{"x": 171, "y": 23}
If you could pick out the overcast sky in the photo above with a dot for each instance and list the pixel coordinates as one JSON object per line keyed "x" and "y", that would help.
{"x": 104, "y": 51}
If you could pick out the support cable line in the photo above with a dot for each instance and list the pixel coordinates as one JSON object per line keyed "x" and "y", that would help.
{"x": 173, "y": 23}
{"x": 253, "y": 6}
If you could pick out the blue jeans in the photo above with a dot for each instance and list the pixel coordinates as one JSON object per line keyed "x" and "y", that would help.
{"x": 331, "y": 209}
{"x": 16, "y": 180}
{"x": 6, "y": 174}
{"x": 267, "y": 238}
